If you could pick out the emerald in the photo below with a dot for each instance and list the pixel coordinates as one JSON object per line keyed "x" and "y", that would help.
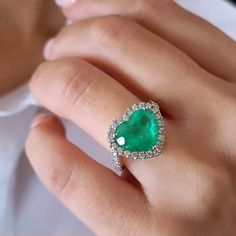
{"x": 139, "y": 133}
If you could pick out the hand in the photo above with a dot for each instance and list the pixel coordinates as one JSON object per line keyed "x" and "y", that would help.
{"x": 98, "y": 67}
{"x": 23, "y": 33}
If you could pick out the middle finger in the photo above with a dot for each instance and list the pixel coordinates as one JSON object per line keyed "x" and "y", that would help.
{"x": 137, "y": 58}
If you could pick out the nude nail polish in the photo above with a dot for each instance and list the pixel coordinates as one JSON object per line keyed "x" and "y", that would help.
{"x": 40, "y": 119}
{"x": 47, "y": 49}
{"x": 65, "y": 3}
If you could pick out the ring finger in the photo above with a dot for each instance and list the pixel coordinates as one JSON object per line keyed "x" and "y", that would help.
{"x": 88, "y": 97}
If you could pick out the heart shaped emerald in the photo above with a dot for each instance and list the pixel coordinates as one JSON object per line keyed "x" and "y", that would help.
{"x": 139, "y": 133}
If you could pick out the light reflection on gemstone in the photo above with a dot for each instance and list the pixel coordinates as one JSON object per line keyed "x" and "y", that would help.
{"x": 121, "y": 141}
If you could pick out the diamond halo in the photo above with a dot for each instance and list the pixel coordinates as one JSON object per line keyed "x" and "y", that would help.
{"x": 118, "y": 152}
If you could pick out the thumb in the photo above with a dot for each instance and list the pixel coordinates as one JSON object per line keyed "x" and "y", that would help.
{"x": 100, "y": 198}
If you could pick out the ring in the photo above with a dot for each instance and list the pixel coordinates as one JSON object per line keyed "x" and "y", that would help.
{"x": 139, "y": 134}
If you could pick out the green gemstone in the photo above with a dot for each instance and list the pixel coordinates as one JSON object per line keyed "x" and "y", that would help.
{"x": 139, "y": 133}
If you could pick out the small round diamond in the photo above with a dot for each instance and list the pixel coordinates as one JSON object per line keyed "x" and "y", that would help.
{"x": 127, "y": 153}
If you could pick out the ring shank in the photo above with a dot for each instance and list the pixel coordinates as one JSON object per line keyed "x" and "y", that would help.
{"x": 118, "y": 163}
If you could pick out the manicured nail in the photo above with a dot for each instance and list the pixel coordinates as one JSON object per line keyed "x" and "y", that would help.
{"x": 65, "y": 3}
{"x": 40, "y": 119}
{"x": 47, "y": 49}
{"x": 68, "y": 22}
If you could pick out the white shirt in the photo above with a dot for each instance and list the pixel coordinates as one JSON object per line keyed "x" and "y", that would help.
{"x": 26, "y": 206}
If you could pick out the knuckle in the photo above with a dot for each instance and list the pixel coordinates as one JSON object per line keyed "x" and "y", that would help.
{"x": 68, "y": 83}
{"x": 74, "y": 78}
{"x": 111, "y": 30}
{"x": 157, "y": 7}
{"x": 61, "y": 178}
{"x": 61, "y": 181}
{"x": 73, "y": 83}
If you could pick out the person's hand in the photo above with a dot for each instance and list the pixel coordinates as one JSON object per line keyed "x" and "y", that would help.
{"x": 98, "y": 67}
{"x": 23, "y": 33}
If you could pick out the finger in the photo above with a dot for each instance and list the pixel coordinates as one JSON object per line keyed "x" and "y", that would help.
{"x": 140, "y": 60}
{"x": 83, "y": 94}
{"x": 78, "y": 91}
{"x": 200, "y": 40}
{"x": 93, "y": 193}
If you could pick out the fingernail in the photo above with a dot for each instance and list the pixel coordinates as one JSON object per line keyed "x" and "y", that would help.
{"x": 40, "y": 119}
{"x": 65, "y": 3}
{"x": 68, "y": 22}
{"x": 47, "y": 49}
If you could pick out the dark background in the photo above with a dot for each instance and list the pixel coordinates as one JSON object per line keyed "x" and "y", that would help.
{"x": 233, "y": 1}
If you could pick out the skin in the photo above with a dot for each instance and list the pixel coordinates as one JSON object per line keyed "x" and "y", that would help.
{"x": 23, "y": 36}
{"x": 100, "y": 65}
